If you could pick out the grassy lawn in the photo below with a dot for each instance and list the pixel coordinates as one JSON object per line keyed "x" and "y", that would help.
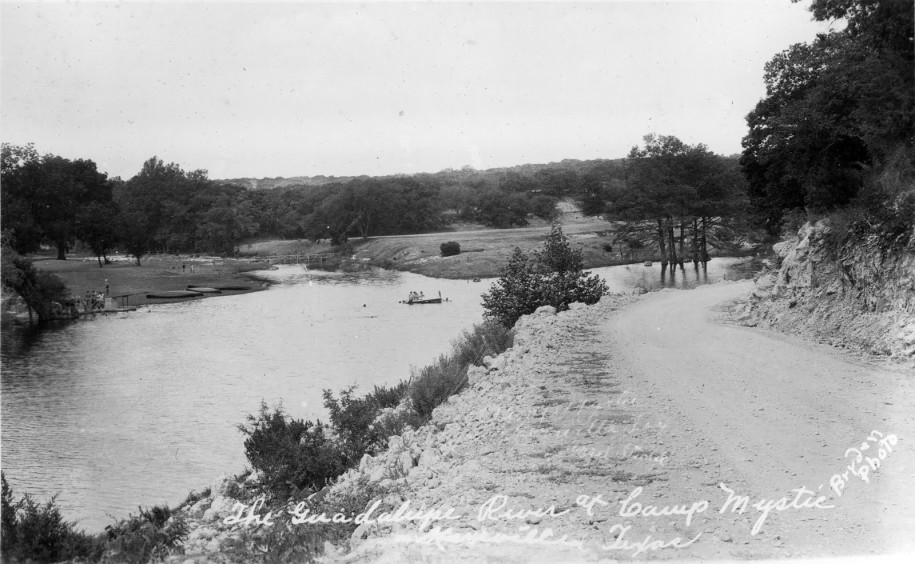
{"x": 157, "y": 273}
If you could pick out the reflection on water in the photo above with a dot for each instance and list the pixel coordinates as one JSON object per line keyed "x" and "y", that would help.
{"x": 638, "y": 277}
{"x": 140, "y": 408}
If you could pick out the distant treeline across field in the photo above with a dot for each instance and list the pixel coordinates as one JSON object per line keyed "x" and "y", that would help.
{"x": 56, "y": 201}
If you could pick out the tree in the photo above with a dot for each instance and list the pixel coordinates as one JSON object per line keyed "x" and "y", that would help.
{"x": 553, "y": 275}
{"x": 836, "y": 110}
{"x": 96, "y": 226}
{"x": 18, "y": 166}
{"x": 39, "y": 290}
{"x": 134, "y": 232}
{"x": 42, "y": 194}
{"x": 677, "y": 196}
{"x": 591, "y": 195}
{"x": 224, "y": 224}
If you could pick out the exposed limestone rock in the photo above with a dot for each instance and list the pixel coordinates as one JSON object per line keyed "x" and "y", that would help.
{"x": 860, "y": 295}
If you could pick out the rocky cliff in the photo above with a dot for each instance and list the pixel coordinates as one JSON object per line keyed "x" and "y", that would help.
{"x": 856, "y": 293}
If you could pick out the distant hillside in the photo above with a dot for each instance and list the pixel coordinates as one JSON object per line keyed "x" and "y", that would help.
{"x": 575, "y": 165}
{"x": 279, "y": 181}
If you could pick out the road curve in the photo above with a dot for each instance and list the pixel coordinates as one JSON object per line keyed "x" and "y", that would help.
{"x": 780, "y": 414}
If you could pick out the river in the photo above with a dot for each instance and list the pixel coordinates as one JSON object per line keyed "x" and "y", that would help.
{"x": 141, "y": 408}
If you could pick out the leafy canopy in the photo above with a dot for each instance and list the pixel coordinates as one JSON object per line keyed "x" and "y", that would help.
{"x": 553, "y": 275}
{"x": 836, "y": 110}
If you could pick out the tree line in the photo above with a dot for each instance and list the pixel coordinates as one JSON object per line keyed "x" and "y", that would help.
{"x": 51, "y": 200}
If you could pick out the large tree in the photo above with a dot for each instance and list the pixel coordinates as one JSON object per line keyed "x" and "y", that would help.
{"x": 681, "y": 198}
{"x": 43, "y": 195}
{"x": 835, "y": 110}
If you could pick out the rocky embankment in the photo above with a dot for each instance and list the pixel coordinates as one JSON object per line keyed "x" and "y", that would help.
{"x": 630, "y": 429}
{"x": 858, "y": 296}
{"x": 554, "y": 418}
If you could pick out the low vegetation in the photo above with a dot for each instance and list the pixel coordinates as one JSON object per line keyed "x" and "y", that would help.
{"x": 297, "y": 458}
{"x": 450, "y": 249}
{"x": 553, "y": 275}
{"x": 35, "y": 532}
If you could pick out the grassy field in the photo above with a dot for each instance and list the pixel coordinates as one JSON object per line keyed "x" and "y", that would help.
{"x": 483, "y": 251}
{"x": 157, "y": 273}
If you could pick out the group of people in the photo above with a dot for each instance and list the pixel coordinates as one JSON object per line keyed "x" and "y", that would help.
{"x": 96, "y": 300}
{"x": 416, "y": 296}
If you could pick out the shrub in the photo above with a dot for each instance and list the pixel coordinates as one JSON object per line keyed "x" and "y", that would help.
{"x": 450, "y": 248}
{"x": 544, "y": 207}
{"x": 351, "y": 418}
{"x": 292, "y": 454}
{"x": 552, "y": 276}
{"x": 39, "y": 533}
{"x": 608, "y": 248}
{"x": 485, "y": 339}
{"x": 149, "y": 535}
{"x": 634, "y": 244}
{"x": 433, "y": 384}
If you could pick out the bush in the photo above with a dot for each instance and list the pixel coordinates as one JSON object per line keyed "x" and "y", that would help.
{"x": 351, "y": 419}
{"x": 544, "y": 207}
{"x": 39, "y": 533}
{"x": 552, "y": 276}
{"x": 292, "y": 454}
{"x": 450, "y": 249}
{"x": 608, "y": 248}
{"x": 150, "y": 535}
{"x": 433, "y": 384}
{"x": 485, "y": 339}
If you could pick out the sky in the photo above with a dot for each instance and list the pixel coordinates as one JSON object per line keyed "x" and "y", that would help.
{"x": 304, "y": 89}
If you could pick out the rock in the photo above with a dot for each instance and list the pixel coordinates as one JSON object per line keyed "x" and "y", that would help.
{"x": 366, "y": 460}
{"x": 406, "y": 461}
{"x": 475, "y": 374}
{"x": 395, "y": 443}
{"x": 221, "y": 486}
{"x": 545, "y": 310}
{"x": 221, "y": 508}
{"x": 197, "y": 510}
{"x": 378, "y": 474}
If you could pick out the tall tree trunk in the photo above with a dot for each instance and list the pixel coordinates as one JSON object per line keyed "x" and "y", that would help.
{"x": 672, "y": 241}
{"x": 695, "y": 243}
{"x": 99, "y": 257}
{"x": 682, "y": 242}
{"x": 704, "y": 243}
{"x": 661, "y": 244}
{"x": 61, "y": 251}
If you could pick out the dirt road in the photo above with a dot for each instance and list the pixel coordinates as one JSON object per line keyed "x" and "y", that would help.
{"x": 781, "y": 414}
{"x": 649, "y": 428}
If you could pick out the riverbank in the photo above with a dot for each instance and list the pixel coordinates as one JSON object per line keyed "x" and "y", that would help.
{"x": 158, "y": 273}
{"x": 595, "y": 428}
{"x": 484, "y": 252}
